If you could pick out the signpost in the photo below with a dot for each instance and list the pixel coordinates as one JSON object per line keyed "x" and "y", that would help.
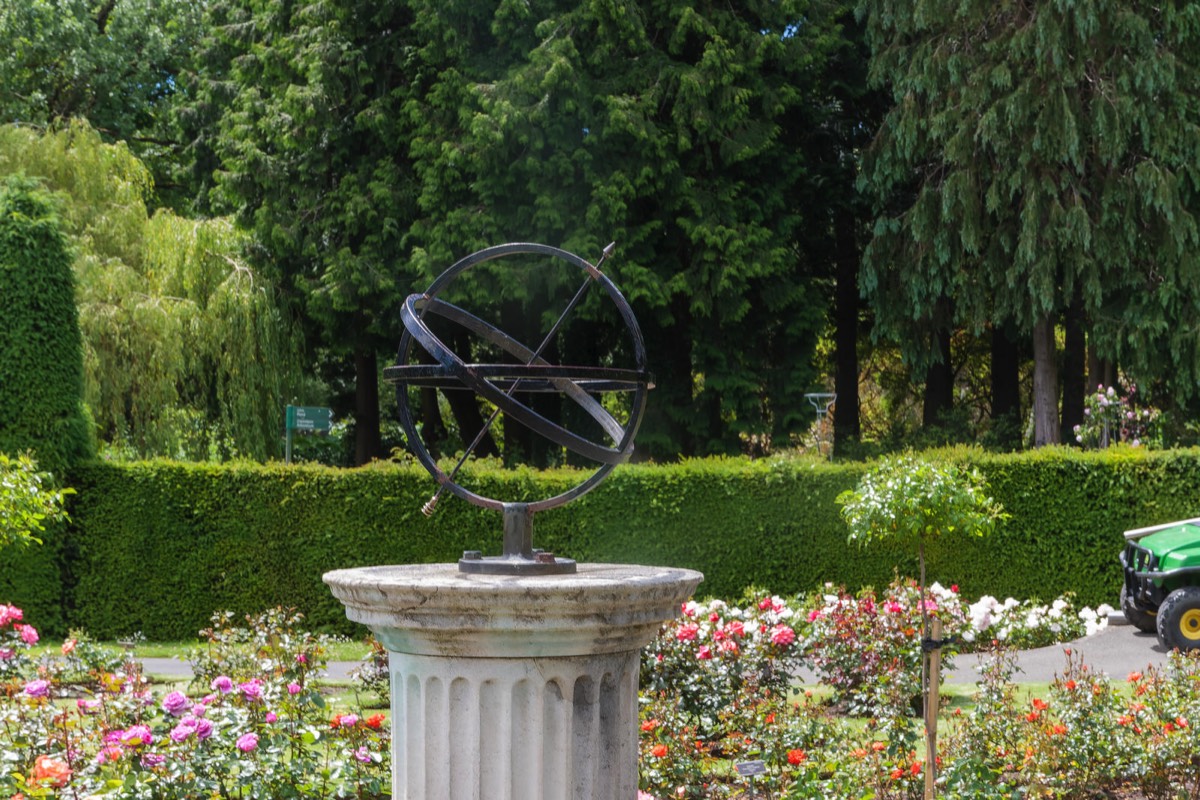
{"x": 306, "y": 419}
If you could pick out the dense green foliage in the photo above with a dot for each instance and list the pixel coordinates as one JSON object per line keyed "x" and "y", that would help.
{"x": 1040, "y": 160}
{"x": 1033, "y": 170}
{"x": 912, "y": 499}
{"x": 369, "y": 145}
{"x": 115, "y": 63}
{"x": 308, "y": 100}
{"x": 186, "y": 351}
{"x": 41, "y": 356}
{"x": 157, "y": 546}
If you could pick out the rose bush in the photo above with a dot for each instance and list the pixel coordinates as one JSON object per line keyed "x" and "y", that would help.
{"x": 866, "y": 647}
{"x": 716, "y": 654}
{"x": 258, "y": 730}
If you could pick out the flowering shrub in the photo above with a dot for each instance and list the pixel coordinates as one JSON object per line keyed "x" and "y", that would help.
{"x": 256, "y": 730}
{"x": 1028, "y": 624}
{"x": 715, "y": 653}
{"x": 372, "y": 675}
{"x": 715, "y": 685}
{"x": 1084, "y": 739}
{"x": 867, "y": 648}
{"x": 1109, "y": 418}
{"x": 270, "y": 643}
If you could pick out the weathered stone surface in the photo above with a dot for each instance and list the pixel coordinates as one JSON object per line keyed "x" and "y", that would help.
{"x": 514, "y": 687}
{"x": 433, "y": 609}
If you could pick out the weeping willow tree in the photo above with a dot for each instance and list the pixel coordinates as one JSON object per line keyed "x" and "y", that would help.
{"x": 187, "y": 352}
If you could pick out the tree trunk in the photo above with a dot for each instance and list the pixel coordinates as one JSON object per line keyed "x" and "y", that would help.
{"x": 1045, "y": 383}
{"x": 367, "y": 442}
{"x": 1074, "y": 364}
{"x": 939, "y": 381}
{"x": 1006, "y": 376}
{"x": 846, "y": 426}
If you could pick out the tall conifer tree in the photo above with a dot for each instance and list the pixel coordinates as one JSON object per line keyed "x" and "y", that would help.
{"x": 1040, "y": 155}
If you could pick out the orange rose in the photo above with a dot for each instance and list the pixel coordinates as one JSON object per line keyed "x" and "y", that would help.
{"x": 50, "y": 770}
{"x": 659, "y": 750}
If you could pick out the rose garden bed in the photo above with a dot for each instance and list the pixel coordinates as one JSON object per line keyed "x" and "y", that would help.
{"x": 718, "y": 691}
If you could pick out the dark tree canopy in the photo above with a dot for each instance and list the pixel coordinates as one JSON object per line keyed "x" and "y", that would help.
{"x": 675, "y": 129}
{"x": 1040, "y": 156}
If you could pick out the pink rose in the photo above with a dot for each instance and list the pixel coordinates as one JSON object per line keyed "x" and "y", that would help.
{"x": 687, "y": 632}
{"x": 9, "y": 614}
{"x": 251, "y": 691}
{"x": 204, "y": 729}
{"x": 782, "y": 635}
{"x": 247, "y": 742}
{"x": 136, "y": 736}
{"x": 271, "y": 717}
{"x": 182, "y": 731}
{"x": 222, "y": 684}
{"x": 37, "y": 689}
{"x": 736, "y": 629}
{"x": 704, "y": 653}
{"x": 175, "y": 703}
{"x": 29, "y": 635}
{"x": 293, "y": 688}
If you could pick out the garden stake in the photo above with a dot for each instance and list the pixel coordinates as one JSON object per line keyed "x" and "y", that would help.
{"x": 933, "y": 658}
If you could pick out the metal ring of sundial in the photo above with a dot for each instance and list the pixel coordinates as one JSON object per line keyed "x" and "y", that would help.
{"x": 498, "y": 383}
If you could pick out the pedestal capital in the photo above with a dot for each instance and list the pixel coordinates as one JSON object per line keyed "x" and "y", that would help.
{"x": 434, "y": 609}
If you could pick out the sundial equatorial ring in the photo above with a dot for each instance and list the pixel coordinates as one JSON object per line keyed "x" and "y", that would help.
{"x": 505, "y": 387}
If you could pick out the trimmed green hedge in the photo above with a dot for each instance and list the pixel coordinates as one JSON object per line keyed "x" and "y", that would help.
{"x": 157, "y": 546}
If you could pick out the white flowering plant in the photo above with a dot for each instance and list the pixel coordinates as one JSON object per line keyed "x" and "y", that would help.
{"x": 1028, "y": 624}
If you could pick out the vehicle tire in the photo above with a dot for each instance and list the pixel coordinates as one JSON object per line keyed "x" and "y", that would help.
{"x": 1145, "y": 621}
{"x": 1179, "y": 619}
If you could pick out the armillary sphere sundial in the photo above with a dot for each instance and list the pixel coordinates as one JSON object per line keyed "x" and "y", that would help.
{"x": 499, "y": 384}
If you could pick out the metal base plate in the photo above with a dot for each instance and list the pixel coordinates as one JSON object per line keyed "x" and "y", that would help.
{"x": 516, "y": 565}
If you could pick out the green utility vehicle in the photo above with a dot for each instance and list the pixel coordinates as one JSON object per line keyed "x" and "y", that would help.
{"x": 1161, "y": 591}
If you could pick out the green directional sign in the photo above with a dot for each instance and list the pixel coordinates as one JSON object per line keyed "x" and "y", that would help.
{"x": 309, "y": 418}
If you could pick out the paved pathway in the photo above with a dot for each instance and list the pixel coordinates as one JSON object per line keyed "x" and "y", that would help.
{"x": 1116, "y": 651}
{"x": 178, "y": 668}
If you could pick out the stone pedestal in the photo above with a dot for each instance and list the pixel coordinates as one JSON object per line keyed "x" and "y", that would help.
{"x": 513, "y": 687}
